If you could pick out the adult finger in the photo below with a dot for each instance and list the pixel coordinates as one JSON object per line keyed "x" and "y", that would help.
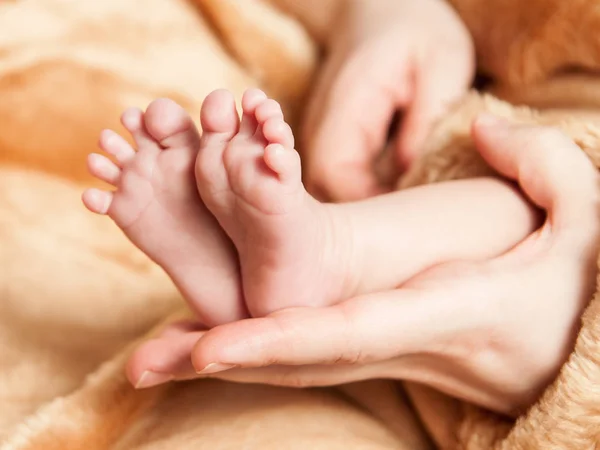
{"x": 301, "y": 376}
{"x": 436, "y": 90}
{"x": 348, "y": 123}
{"x": 358, "y": 331}
{"x": 165, "y": 358}
{"x": 550, "y": 168}
{"x": 439, "y": 373}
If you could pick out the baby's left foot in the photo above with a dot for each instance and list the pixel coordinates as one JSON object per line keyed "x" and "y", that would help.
{"x": 249, "y": 176}
{"x": 157, "y": 206}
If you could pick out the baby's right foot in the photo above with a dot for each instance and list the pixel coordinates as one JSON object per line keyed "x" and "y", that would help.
{"x": 249, "y": 176}
{"x": 157, "y": 205}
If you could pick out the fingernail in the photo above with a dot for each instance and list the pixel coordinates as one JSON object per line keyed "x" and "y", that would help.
{"x": 215, "y": 368}
{"x": 150, "y": 379}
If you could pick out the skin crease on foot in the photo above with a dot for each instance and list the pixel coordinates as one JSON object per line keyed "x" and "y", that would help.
{"x": 157, "y": 206}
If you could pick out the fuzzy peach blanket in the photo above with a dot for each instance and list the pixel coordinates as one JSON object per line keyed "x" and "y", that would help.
{"x": 75, "y": 295}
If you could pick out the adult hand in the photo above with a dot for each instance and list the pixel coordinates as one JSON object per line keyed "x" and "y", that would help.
{"x": 385, "y": 56}
{"x": 493, "y": 333}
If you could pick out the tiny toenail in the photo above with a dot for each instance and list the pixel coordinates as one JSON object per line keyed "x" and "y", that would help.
{"x": 130, "y": 117}
{"x": 215, "y": 368}
{"x": 150, "y": 379}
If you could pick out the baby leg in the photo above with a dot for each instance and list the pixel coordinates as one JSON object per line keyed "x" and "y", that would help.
{"x": 398, "y": 235}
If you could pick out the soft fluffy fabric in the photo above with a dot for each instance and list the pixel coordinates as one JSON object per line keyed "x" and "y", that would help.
{"x": 75, "y": 296}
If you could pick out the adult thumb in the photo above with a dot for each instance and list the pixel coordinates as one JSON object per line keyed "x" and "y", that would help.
{"x": 549, "y": 167}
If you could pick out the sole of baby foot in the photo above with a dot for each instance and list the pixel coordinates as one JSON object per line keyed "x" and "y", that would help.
{"x": 249, "y": 176}
{"x": 156, "y": 204}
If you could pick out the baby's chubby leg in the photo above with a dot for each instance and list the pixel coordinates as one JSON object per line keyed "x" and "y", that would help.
{"x": 395, "y": 236}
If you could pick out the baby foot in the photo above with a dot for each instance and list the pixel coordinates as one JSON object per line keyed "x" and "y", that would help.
{"x": 157, "y": 205}
{"x": 249, "y": 176}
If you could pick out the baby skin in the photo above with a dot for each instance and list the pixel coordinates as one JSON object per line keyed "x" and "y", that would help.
{"x": 185, "y": 200}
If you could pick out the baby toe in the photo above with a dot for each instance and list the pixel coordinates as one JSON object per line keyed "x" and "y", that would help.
{"x": 97, "y": 201}
{"x": 113, "y": 144}
{"x": 284, "y": 162}
{"x": 170, "y": 125}
{"x": 103, "y": 168}
{"x": 251, "y": 100}
{"x": 133, "y": 121}
{"x": 220, "y": 123}
{"x": 276, "y": 131}
{"x": 269, "y": 109}
{"x": 219, "y": 115}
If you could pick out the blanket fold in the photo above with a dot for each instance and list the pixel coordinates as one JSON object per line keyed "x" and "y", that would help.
{"x": 525, "y": 42}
